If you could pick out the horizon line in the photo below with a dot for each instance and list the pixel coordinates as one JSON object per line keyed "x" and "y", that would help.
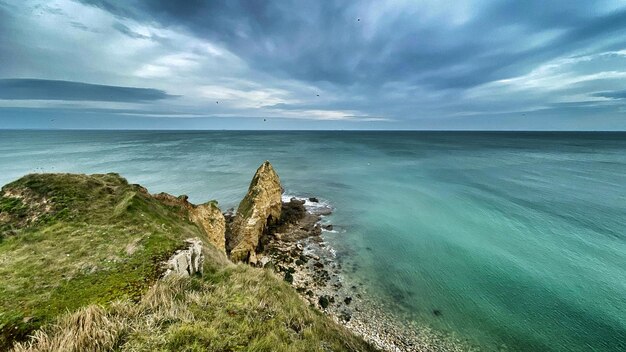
{"x": 300, "y": 130}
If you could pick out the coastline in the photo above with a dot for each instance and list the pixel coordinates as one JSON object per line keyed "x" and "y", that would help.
{"x": 114, "y": 267}
{"x": 300, "y": 254}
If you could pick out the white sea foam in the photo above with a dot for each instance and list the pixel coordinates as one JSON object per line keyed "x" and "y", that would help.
{"x": 322, "y": 206}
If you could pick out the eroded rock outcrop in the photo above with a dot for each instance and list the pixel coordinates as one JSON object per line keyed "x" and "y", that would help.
{"x": 186, "y": 262}
{"x": 207, "y": 216}
{"x": 210, "y": 218}
{"x": 260, "y": 208}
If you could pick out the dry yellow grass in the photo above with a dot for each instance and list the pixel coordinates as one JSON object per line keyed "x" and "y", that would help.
{"x": 246, "y": 309}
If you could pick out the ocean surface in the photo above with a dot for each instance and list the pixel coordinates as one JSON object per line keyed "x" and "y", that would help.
{"x": 518, "y": 239}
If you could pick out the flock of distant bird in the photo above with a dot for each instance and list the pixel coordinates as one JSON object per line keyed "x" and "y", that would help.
{"x": 264, "y": 120}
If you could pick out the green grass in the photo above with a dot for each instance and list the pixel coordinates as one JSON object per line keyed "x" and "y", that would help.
{"x": 245, "y": 207}
{"x": 232, "y": 308}
{"x": 79, "y": 248}
{"x": 79, "y": 266}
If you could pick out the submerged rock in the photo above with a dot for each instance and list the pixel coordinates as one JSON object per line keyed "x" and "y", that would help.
{"x": 260, "y": 208}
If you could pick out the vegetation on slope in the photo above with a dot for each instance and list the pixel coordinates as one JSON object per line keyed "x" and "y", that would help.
{"x": 80, "y": 258}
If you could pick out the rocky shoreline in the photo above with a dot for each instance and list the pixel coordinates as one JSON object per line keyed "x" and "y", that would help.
{"x": 296, "y": 251}
{"x": 285, "y": 234}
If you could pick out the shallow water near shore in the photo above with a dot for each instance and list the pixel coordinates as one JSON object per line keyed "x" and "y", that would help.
{"x": 507, "y": 240}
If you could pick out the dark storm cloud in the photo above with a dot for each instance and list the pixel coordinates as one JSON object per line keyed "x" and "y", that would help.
{"x": 333, "y": 41}
{"x": 620, "y": 94}
{"x": 410, "y": 63}
{"x": 41, "y": 89}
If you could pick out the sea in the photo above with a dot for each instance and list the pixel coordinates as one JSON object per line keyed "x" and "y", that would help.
{"x": 510, "y": 241}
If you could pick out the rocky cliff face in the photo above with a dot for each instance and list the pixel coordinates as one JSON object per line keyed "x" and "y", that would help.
{"x": 260, "y": 207}
{"x": 211, "y": 220}
{"x": 207, "y": 216}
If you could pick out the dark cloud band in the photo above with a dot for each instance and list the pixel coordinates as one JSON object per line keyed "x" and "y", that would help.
{"x": 42, "y": 89}
{"x": 619, "y": 94}
{"x": 332, "y": 41}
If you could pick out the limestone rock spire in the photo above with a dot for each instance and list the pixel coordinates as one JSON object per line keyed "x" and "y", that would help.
{"x": 259, "y": 208}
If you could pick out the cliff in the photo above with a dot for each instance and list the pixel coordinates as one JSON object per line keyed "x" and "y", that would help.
{"x": 207, "y": 216}
{"x": 82, "y": 260}
{"x": 260, "y": 208}
{"x": 210, "y": 218}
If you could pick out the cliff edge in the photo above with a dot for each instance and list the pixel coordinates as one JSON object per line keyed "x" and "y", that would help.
{"x": 82, "y": 265}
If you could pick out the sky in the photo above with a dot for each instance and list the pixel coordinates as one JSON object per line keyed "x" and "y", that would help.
{"x": 334, "y": 64}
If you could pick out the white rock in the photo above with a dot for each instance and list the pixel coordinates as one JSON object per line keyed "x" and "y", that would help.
{"x": 186, "y": 262}
{"x": 264, "y": 260}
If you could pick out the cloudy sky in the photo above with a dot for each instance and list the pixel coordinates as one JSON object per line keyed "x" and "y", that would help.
{"x": 420, "y": 64}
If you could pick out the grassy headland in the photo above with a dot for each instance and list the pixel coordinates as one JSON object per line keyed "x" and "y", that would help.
{"x": 80, "y": 262}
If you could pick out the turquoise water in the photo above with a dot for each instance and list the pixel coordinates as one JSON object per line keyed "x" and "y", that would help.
{"x": 519, "y": 239}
